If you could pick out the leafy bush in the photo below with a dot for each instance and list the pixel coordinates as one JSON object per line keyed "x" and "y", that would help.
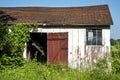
{"x": 100, "y": 70}
{"x": 3, "y": 35}
{"x": 115, "y": 57}
{"x": 12, "y": 44}
{"x": 4, "y": 46}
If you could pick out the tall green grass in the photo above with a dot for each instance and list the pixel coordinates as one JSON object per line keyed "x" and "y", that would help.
{"x": 37, "y": 71}
{"x": 115, "y": 57}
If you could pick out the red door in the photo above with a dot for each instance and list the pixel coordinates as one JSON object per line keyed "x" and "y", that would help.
{"x": 58, "y": 48}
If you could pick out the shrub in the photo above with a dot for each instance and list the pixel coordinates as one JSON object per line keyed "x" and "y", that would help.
{"x": 115, "y": 57}
{"x": 100, "y": 71}
{"x": 12, "y": 44}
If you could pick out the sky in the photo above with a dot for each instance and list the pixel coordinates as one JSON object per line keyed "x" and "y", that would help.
{"x": 114, "y": 6}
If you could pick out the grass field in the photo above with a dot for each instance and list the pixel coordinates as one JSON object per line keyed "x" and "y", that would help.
{"x": 37, "y": 71}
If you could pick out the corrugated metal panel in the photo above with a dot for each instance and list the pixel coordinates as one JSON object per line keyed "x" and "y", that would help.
{"x": 58, "y": 48}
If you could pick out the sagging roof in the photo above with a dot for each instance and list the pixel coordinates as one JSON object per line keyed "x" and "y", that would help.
{"x": 89, "y": 15}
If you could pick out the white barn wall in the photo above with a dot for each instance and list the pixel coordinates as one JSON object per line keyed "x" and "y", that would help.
{"x": 79, "y": 54}
{"x": 76, "y": 47}
{"x": 106, "y": 40}
{"x": 102, "y": 51}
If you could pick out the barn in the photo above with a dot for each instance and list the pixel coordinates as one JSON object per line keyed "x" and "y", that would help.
{"x": 75, "y": 36}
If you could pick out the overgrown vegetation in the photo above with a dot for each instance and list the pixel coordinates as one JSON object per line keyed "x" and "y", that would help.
{"x": 13, "y": 67}
{"x": 115, "y": 56}
{"x": 38, "y": 71}
{"x": 12, "y": 43}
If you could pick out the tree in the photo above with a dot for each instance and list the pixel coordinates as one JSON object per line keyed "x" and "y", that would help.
{"x": 112, "y": 42}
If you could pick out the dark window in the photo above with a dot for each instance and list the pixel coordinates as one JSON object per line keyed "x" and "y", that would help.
{"x": 94, "y": 36}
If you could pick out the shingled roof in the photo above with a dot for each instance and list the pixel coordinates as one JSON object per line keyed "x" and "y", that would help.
{"x": 88, "y": 15}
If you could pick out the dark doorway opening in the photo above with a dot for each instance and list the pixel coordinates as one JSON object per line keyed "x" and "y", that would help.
{"x": 37, "y": 47}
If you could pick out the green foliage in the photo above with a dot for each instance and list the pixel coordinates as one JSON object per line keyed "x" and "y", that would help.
{"x": 102, "y": 72}
{"x": 4, "y": 46}
{"x": 102, "y": 64}
{"x": 38, "y": 71}
{"x": 13, "y": 43}
{"x": 112, "y": 42}
{"x": 3, "y": 35}
{"x": 115, "y": 57}
{"x": 18, "y": 37}
{"x": 101, "y": 69}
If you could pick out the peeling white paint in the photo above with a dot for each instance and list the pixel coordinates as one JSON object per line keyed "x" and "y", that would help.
{"x": 79, "y": 54}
